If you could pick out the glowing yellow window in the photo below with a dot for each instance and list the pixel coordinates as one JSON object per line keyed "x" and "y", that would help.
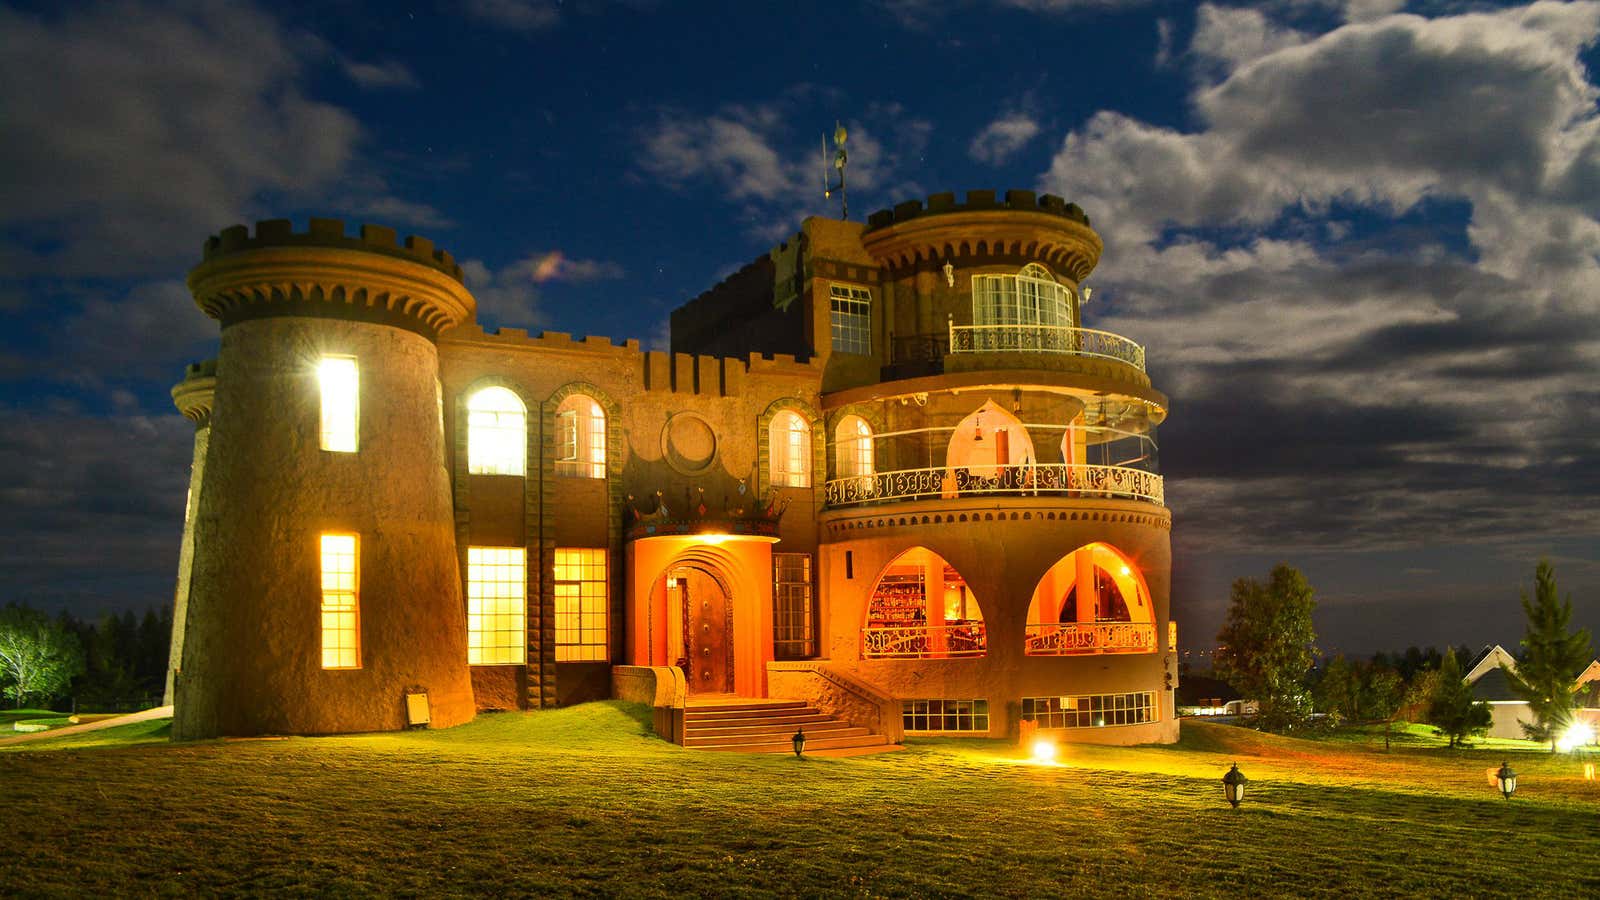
{"x": 580, "y": 438}
{"x": 341, "y": 616}
{"x": 341, "y": 401}
{"x": 497, "y": 433}
{"x": 581, "y": 597}
{"x": 497, "y": 579}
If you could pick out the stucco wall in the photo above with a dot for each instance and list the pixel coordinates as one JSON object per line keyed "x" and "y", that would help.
{"x": 252, "y": 660}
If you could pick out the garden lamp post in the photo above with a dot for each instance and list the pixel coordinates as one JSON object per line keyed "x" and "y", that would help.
{"x": 1507, "y": 779}
{"x": 1233, "y": 785}
{"x": 799, "y": 741}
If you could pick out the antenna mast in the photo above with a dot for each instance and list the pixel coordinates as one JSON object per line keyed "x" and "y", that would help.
{"x": 839, "y": 160}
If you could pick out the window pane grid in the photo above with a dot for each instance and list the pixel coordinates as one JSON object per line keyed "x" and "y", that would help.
{"x": 791, "y": 605}
{"x": 933, "y": 716}
{"x": 497, "y": 433}
{"x": 581, "y": 595}
{"x": 1090, "y": 710}
{"x": 581, "y": 438}
{"x": 851, "y": 318}
{"x": 497, "y": 579}
{"x": 340, "y": 613}
{"x": 789, "y": 440}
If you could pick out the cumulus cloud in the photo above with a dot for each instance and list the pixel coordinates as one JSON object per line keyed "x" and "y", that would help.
{"x": 1356, "y": 385}
{"x": 753, "y": 155}
{"x": 510, "y": 295}
{"x": 1001, "y": 139}
{"x": 132, "y": 127}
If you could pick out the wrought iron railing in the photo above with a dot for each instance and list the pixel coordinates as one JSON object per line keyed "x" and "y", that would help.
{"x": 1044, "y": 339}
{"x": 1034, "y": 480}
{"x": 1070, "y": 638}
{"x": 923, "y": 641}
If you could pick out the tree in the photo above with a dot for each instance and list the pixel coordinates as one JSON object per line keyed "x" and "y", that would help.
{"x": 1385, "y": 695}
{"x": 1552, "y": 657}
{"x": 38, "y": 657}
{"x": 1341, "y": 690}
{"x": 1266, "y": 645}
{"x": 1452, "y": 709}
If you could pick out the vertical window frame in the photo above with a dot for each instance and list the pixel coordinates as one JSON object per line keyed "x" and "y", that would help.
{"x": 338, "y": 430}
{"x": 850, "y": 318}
{"x": 340, "y": 605}
{"x": 789, "y": 450}
{"x": 793, "y": 606}
{"x": 583, "y": 602}
{"x": 489, "y": 449}
{"x": 497, "y": 606}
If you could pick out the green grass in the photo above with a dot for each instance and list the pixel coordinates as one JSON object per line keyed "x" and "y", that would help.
{"x": 583, "y": 801}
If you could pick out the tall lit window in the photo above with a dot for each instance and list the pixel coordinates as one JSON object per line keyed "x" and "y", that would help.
{"x": 789, "y": 442}
{"x": 791, "y": 605}
{"x": 497, "y": 433}
{"x": 497, "y": 579}
{"x": 580, "y": 438}
{"x": 1030, "y": 297}
{"x": 340, "y": 381}
{"x": 852, "y": 318}
{"x": 341, "y": 616}
{"x": 581, "y": 605}
{"x": 853, "y": 446}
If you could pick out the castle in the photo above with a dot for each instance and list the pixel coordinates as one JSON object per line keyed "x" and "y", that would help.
{"x": 884, "y": 469}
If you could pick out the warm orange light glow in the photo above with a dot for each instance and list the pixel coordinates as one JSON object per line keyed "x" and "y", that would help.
{"x": 340, "y": 382}
{"x": 341, "y": 632}
{"x": 497, "y": 433}
{"x": 581, "y": 438}
{"x": 581, "y": 605}
{"x": 496, "y": 605}
{"x": 1044, "y": 751}
{"x": 1588, "y": 771}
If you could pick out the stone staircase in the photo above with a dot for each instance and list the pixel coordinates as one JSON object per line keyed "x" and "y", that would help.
{"x": 747, "y": 725}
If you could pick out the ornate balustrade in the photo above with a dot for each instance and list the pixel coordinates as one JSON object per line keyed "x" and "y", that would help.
{"x": 924, "y": 641}
{"x": 1071, "y": 638}
{"x": 1044, "y": 339}
{"x": 1035, "y": 480}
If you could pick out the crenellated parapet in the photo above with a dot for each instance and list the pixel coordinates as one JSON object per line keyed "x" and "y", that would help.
{"x": 195, "y": 394}
{"x": 1020, "y": 226}
{"x": 324, "y": 272}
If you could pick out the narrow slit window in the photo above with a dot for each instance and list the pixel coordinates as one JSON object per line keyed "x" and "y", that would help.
{"x": 340, "y": 381}
{"x": 341, "y": 605}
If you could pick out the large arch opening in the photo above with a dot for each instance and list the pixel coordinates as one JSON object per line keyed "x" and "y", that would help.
{"x": 1093, "y": 600}
{"x": 921, "y": 608}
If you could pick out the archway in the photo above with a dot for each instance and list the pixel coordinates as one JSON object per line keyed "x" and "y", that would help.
{"x": 1093, "y": 600}
{"x": 700, "y": 636}
{"x": 988, "y": 440}
{"x": 921, "y": 608}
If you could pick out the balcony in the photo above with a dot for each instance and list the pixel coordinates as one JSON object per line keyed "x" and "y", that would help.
{"x": 950, "y": 641}
{"x": 1044, "y": 339}
{"x": 1034, "y": 480}
{"x": 1073, "y": 638}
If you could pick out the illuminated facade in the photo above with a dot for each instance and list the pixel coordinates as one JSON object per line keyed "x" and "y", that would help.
{"x": 886, "y": 469}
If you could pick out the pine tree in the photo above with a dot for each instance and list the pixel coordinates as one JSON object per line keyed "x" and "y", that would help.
{"x": 1452, "y": 709}
{"x": 1552, "y": 657}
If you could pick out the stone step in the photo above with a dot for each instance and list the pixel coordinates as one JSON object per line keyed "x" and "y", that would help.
{"x": 798, "y": 719}
{"x": 703, "y": 715}
{"x": 819, "y": 744}
{"x": 821, "y": 723}
{"x": 780, "y": 738}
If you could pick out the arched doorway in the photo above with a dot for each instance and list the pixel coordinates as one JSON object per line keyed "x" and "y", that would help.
{"x": 1093, "y": 600}
{"x": 699, "y": 625}
{"x": 921, "y": 608}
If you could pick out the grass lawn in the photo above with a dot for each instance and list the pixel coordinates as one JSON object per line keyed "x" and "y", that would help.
{"x": 583, "y": 801}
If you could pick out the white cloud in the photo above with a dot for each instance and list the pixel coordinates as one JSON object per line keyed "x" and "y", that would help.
{"x": 133, "y": 129}
{"x": 516, "y": 15}
{"x": 510, "y": 295}
{"x": 1002, "y": 138}
{"x": 1233, "y": 36}
{"x": 375, "y": 76}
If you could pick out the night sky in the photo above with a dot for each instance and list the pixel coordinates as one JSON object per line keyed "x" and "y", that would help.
{"x": 1358, "y": 241}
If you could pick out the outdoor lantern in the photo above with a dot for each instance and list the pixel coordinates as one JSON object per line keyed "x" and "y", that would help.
{"x": 1233, "y": 785}
{"x": 799, "y": 740}
{"x": 1507, "y": 778}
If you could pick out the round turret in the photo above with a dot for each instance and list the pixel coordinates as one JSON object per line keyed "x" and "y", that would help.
{"x": 324, "y": 586}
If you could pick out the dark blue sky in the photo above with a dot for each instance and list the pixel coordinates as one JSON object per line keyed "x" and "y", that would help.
{"x": 1357, "y": 238}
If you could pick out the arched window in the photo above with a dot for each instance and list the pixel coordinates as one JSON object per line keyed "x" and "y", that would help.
{"x": 852, "y": 442}
{"x": 921, "y": 608}
{"x": 1032, "y": 297}
{"x": 1093, "y": 600}
{"x": 580, "y": 437}
{"x": 789, "y": 443}
{"x": 497, "y": 433}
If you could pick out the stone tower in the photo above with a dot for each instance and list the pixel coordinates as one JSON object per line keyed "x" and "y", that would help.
{"x": 287, "y": 469}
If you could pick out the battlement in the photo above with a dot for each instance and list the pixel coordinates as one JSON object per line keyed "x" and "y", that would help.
{"x": 331, "y": 233}
{"x": 938, "y": 204}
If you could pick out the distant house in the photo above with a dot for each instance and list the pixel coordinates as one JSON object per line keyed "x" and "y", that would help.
{"x": 1508, "y": 711}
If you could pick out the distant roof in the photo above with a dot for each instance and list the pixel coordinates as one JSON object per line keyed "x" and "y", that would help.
{"x": 1493, "y": 685}
{"x": 1490, "y": 660}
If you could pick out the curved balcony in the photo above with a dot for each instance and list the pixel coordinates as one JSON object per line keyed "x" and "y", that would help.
{"x": 1034, "y": 480}
{"x": 1044, "y": 339}
{"x": 966, "y": 639}
{"x": 1073, "y": 638}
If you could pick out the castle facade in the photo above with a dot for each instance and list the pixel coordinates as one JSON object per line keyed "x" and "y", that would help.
{"x": 885, "y": 468}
